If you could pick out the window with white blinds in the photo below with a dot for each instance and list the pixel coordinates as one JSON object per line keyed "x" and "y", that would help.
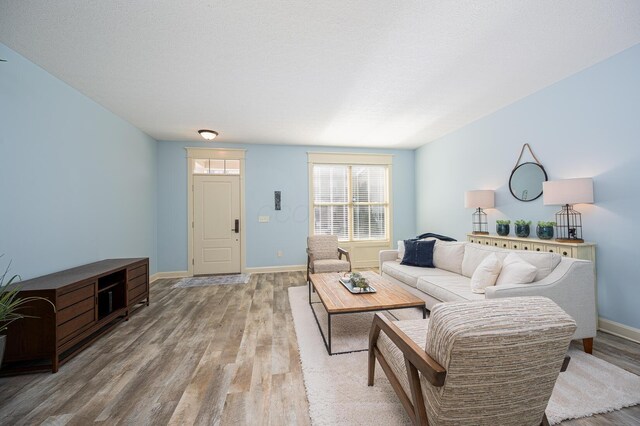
{"x": 350, "y": 201}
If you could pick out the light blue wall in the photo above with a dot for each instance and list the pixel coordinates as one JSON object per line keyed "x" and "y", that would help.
{"x": 77, "y": 183}
{"x": 587, "y": 125}
{"x": 268, "y": 168}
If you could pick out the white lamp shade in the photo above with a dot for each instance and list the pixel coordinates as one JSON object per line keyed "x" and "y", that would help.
{"x": 568, "y": 191}
{"x": 482, "y": 198}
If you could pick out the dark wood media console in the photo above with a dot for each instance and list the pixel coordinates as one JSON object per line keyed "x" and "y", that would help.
{"x": 89, "y": 300}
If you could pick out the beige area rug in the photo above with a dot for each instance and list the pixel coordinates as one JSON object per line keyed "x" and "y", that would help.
{"x": 337, "y": 385}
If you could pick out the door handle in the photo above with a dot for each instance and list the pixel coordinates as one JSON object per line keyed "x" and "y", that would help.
{"x": 236, "y": 227}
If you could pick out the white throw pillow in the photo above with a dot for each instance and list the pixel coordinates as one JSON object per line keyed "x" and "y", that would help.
{"x": 545, "y": 262}
{"x": 515, "y": 270}
{"x": 486, "y": 273}
{"x": 474, "y": 254}
{"x": 448, "y": 255}
{"x": 400, "y": 249}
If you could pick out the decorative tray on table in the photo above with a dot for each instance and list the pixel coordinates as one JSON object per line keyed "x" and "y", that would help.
{"x": 348, "y": 282}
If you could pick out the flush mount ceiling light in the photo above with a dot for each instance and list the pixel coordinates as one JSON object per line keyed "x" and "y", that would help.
{"x": 208, "y": 134}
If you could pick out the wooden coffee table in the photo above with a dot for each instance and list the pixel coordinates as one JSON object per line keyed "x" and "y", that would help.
{"x": 337, "y": 300}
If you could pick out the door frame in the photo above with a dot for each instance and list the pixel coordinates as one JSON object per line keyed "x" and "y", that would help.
{"x": 214, "y": 154}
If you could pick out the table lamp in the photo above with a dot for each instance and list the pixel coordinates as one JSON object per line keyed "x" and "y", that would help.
{"x": 479, "y": 199}
{"x": 566, "y": 193}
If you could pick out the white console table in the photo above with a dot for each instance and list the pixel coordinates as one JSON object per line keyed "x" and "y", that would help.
{"x": 585, "y": 251}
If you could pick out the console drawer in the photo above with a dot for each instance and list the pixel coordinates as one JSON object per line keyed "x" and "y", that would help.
{"x": 76, "y": 295}
{"x": 136, "y": 271}
{"x": 75, "y": 325}
{"x": 76, "y": 309}
{"x": 142, "y": 279}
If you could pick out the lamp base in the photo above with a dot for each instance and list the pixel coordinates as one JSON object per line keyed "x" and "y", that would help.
{"x": 480, "y": 233}
{"x": 568, "y": 240}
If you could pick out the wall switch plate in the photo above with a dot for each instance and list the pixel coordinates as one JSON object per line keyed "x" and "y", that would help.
{"x": 279, "y": 253}
{"x": 263, "y": 219}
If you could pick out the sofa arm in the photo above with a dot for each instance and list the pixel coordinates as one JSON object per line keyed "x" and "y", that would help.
{"x": 571, "y": 286}
{"x": 386, "y": 256}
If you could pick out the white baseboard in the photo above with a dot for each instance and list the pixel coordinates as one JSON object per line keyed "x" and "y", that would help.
{"x": 619, "y": 330}
{"x": 258, "y": 270}
{"x": 271, "y": 269}
{"x": 366, "y": 264}
{"x": 165, "y": 275}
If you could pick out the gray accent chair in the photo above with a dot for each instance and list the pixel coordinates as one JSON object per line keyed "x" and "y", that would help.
{"x": 324, "y": 255}
{"x": 492, "y": 362}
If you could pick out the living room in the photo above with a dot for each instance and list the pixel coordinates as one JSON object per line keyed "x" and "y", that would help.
{"x": 428, "y": 100}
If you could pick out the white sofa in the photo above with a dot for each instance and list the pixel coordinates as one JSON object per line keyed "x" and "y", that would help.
{"x": 568, "y": 282}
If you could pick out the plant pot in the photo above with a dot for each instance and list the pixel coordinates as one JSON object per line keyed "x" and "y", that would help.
{"x": 523, "y": 231}
{"x": 544, "y": 232}
{"x": 3, "y": 341}
{"x": 502, "y": 230}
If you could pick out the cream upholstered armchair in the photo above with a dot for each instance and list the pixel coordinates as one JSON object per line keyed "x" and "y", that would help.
{"x": 492, "y": 362}
{"x": 324, "y": 255}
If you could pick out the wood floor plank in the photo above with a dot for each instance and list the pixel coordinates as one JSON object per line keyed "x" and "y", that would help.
{"x": 214, "y": 355}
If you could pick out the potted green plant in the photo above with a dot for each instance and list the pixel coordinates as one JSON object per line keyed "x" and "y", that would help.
{"x": 502, "y": 227}
{"x": 10, "y": 303}
{"x": 359, "y": 281}
{"x": 523, "y": 228}
{"x": 545, "y": 230}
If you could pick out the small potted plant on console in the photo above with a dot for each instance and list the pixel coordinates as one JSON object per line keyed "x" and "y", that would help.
{"x": 545, "y": 230}
{"x": 502, "y": 227}
{"x": 523, "y": 228}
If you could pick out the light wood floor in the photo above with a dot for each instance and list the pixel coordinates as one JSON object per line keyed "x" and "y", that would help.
{"x": 209, "y": 355}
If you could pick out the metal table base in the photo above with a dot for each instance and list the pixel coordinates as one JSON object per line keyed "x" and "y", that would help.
{"x": 327, "y": 339}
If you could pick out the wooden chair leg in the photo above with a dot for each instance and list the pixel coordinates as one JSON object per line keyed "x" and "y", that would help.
{"x": 419, "y": 410}
{"x": 545, "y": 421}
{"x": 372, "y": 368}
{"x": 588, "y": 345}
{"x": 565, "y": 364}
{"x": 374, "y": 333}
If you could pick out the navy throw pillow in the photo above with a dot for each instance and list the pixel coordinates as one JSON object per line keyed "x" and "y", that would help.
{"x": 418, "y": 253}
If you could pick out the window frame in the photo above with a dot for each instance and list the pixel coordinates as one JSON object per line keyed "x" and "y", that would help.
{"x": 225, "y": 170}
{"x": 353, "y": 160}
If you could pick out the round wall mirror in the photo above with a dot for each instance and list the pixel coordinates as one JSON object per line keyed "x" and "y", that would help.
{"x": 526, "y": 180}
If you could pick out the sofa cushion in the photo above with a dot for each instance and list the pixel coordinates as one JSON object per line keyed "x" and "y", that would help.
{"x": 330, "y": 265}
{"x": 410, "y": 274}
{"x": 453, "y": 288}
{"x": 474, "y": 254}
{"x": 448, "y": 256}
{"x": 544, "y": 262}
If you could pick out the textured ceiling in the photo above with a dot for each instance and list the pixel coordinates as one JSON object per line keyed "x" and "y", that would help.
{"x": 374, "y": 73}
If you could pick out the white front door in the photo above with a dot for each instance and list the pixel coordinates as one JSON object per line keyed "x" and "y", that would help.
{"x": 216, "y": 225}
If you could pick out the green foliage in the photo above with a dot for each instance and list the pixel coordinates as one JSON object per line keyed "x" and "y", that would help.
{"x": 358, "y": 280}
{"x": 10, "y": 303}
{"x": 543, "y": 224}
{"x": 503, "y": 222}
{"x": 522, "y": 222}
